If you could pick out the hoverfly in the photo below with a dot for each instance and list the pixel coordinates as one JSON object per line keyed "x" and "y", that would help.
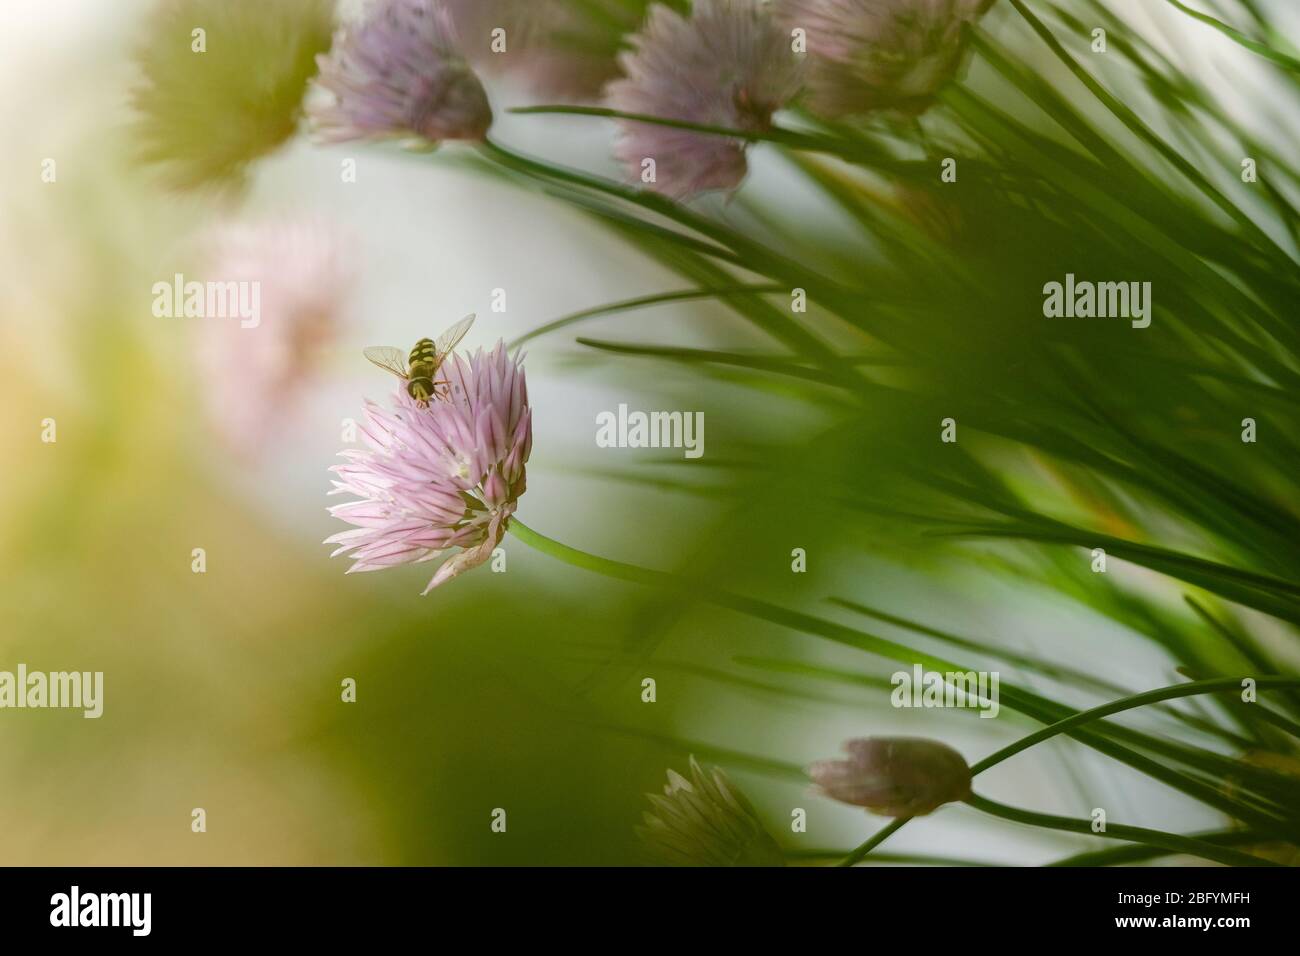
{"x": 420, "y": 368}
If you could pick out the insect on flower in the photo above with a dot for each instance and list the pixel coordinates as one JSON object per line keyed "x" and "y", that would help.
{"x": 419, "y": 369}
{"x": 443, "y": 480}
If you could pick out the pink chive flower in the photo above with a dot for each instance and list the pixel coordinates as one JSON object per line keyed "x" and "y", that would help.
{"x": 865, "y": 55}
{"x": 255, "y": 371}
{"x": 438, "y": 478}
{"x": 560, "y": 48}
{"x": 894, "y": 776}
{"x": 728, "y": 65}
{"x": 398, "y": 74}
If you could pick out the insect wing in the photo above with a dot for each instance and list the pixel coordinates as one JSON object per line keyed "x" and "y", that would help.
{"x": 451, "y": 338}
{"x": 389, "y": 359}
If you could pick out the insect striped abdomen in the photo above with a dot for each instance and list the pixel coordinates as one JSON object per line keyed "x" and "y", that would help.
{"x": 423, "y": 365}
{"x": 424, "y": 358}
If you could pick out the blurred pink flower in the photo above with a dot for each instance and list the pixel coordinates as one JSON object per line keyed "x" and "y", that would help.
{"x": 865, "y": 55}
{"x": 398, "y": 73}
{"x": 253, "y": 377}
{"x": 894, "y": 776}
{"x": 560, "y": 48}
{"x": 728, "y": 65}
{"x": 444, "y": 476}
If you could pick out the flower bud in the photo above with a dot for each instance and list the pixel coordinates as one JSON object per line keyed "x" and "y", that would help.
{"x": 706, "y": 821}
{"x": 894, "y": 776}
